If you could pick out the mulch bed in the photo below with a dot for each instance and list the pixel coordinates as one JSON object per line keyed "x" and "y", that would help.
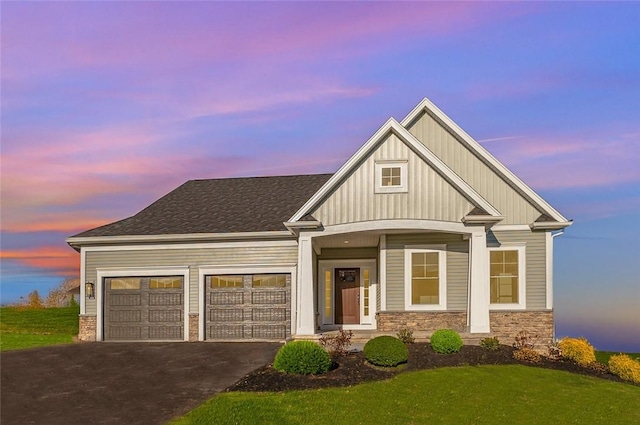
{"x": 353, "y": 369}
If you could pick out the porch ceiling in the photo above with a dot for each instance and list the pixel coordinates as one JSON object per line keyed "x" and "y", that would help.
{"x": 348, "y": 240}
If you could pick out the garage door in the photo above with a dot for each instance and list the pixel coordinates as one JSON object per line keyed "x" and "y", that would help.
{"x": 144, "y": 308}
{"x": 255, "y": 306}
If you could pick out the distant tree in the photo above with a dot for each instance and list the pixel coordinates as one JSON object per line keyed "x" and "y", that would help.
{"x": 34, "y": 300}
{"x": 60, "y": 296}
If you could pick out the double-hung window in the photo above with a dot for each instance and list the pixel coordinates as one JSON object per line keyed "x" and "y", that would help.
{"x": 425, "y": 278}
{"x": 507, "y": 277}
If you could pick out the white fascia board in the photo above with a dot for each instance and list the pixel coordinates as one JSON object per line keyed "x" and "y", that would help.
{"x": 550, "y": 225}
{"x": 394, "y": 126}
{"x": 485, "y": 156}
{"x": 481, "y": 219}
{"x": 90, "y": 240}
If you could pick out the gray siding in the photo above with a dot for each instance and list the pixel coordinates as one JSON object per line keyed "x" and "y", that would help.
{"x": 457, "y": 268}
{"x": 475, "y": 172}
{"x": 536, "y": 267}
{"x": 192, "y": 257}
{"x": 429, "y": 195}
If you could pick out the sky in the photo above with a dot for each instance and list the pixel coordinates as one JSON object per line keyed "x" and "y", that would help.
{"x": 107, "y": 106}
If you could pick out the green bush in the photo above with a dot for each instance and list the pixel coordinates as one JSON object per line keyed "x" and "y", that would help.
{"x": 303, "y": 358}
{"x": 446, "y": 341}
{"x": 386, "y": 351}
{"x": 625, "y": 367}
{"x": 577, "y": 350}
{"x": 491, "y": 344}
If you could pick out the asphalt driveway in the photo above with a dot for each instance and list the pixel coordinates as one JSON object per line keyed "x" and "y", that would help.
{"x": 120, "y": 383}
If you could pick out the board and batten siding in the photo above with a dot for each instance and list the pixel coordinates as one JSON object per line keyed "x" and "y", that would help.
{"x": 492, "y": 187}
{"x": 536, "y": 267}
{"x": 429, "y": 195}
{"x": 182, "y": 257}
{"x": 457, "y": 268}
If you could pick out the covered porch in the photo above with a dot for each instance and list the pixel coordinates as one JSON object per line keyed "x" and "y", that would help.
{"x": 350, "y": 276}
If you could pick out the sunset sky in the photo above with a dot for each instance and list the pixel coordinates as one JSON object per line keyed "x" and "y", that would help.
{"x": 106, "y": 106}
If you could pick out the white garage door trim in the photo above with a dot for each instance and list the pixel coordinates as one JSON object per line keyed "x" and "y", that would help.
{"x": 245, "y": 270}
{"x": 140, "y": 272}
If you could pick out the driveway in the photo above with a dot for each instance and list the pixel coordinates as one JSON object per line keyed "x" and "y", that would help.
{"x": 120, "y": 383}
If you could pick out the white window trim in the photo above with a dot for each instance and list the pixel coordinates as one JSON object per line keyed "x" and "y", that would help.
{"x": 402, "y": 164}
{"x": 522, "y": 276}
{"x": 442, "y": 267}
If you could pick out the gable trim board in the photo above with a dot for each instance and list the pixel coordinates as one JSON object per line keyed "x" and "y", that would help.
{"x": 463, "y": 238}
{"x": 428, "y": 107}
{"x": 392, "y": 126}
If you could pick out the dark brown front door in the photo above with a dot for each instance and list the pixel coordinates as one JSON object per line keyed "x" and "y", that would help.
{"x": 347, "y": 296}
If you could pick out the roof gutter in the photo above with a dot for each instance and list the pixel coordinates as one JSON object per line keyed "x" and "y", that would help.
{"x": 77, "y": 242}
{"x": 487, "y": 220}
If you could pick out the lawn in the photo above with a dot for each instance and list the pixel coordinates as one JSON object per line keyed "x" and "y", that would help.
{"x": 604, "y": 356}
{"x": 462, "y": 395}
{"x": 25, "y": 328}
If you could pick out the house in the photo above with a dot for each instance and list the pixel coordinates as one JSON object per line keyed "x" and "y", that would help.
{"x": 421, "y": 228}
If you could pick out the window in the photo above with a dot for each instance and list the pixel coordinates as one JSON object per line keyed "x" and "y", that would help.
{"x": 125, "y": 283}
{"x": 269, "y": 280}
{"x": 391, "y": 176}
{"x": 165, "y": 282}
{"x": 231, "y": 281}
{"x": 425, "y": 278}
{"x": 506, "y": 277}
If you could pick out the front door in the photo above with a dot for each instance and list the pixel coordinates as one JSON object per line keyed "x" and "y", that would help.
{"x": 347, "y": 289}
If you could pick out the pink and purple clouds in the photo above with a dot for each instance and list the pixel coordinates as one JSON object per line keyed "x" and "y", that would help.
{"x": 108, "y": 105}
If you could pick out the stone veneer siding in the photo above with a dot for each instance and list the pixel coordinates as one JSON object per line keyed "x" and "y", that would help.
{"x": 193, "y": 327}
{"x": 393, "y": 321}
{"x": 87, "y": 328}
{"x": 505, "y": 325}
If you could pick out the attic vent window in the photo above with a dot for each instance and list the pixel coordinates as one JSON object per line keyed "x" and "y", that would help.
{"x": 391, "y": 176}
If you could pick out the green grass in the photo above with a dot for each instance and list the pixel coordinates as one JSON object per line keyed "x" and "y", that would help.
{"x": 26, "y": 328}
{"x": 603, "y": 356}
{"x": 464, "y": 395}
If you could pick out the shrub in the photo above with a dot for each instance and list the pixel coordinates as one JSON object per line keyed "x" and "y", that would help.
{"x": 386, "y": 351}
{"x": 446, "y": 341}
{"x": 406, "y": 335}
{"x": 577, "y": 350}
{"x": 625, "y": 367}
{"x": 302, "y": 357}
{"x": 491, "y": 344}
{"x": 527, "y": 355}
{"x": 525, "y": 340}
{"x": 553, "y": 351}
{"x": 337, "y": 345}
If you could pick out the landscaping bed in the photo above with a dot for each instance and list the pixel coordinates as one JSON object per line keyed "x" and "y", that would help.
{"x": 352, "y": 369}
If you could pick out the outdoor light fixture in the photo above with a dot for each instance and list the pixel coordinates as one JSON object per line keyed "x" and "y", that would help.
{"x": 89, "y": 290}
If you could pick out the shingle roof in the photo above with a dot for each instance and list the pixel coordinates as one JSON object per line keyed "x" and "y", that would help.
{"x": 252, "y": 204}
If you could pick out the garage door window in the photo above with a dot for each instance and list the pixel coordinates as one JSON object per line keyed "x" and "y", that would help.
{"x": 269, "y": 281}
{"x": 230, "y": 281}
{"x": 173, "y": 282}
{"x": 125, "y": 283}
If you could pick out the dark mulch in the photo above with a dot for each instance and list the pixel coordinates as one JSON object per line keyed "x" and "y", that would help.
{"x": 352, "y": 369}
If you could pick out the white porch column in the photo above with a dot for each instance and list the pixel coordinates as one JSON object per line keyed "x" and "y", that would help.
{"x": 479, "y": 283}
{"x": 305, "y": 305}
